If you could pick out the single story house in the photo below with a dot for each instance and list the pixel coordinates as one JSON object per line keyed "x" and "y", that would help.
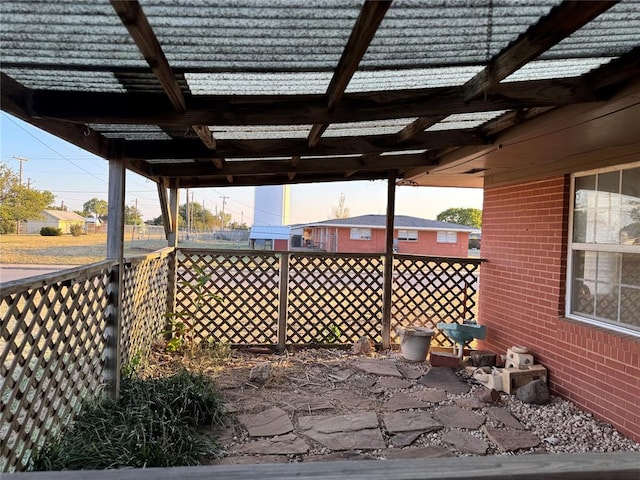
{"x": 57, "y": 219}
{"x": 413, "y": 235}
{"x": 270, "y": 237}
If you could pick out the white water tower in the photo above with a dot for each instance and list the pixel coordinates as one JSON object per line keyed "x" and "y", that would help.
{"x": 271, "y": 205}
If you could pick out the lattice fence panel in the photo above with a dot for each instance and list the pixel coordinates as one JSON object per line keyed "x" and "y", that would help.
{"x": 428, "y": 290}
{"x": 334, "y": 299}
{"x": 52, "y": 354}
{"x": 144, "y": 304}
{"x": 248, "y": 283}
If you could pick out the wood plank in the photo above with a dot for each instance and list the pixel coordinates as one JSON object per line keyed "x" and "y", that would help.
{"x": 164, "y": 207}
{"x": 137, "y": 24}
{"x": 594, "y": 466}
{"x": 363, "y": 31}
{"x": 561, "y": 22}
{"x": 288, "y": 147}
{"x": 388, "y": 261}
{"x": 420, "y": 124}
{"x": 148, "y": 108}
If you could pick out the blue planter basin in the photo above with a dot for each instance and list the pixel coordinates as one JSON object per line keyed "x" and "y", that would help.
{"x": 463, "y": 333}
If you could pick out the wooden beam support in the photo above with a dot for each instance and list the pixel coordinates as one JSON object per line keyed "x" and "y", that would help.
{"x": 307, "y": 165}
{"x": 388, "y": 260}
{"x": 164, "y": 207}
{"x": 288, "y": 147}
{"x": 363, "y": 32}
{"x": 137, "y": 24}
{"x": 420, "y": 124}
{"x": 561, "y": 22}
{"x": 153, "y": 109}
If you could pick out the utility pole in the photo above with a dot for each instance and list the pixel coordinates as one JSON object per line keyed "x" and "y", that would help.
{"x": 224, "y": 202}
{"x": 21, "y": 160}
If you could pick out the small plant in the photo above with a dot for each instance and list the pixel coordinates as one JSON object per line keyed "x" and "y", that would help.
{"x": 51, "y": 232}
{"x": 76, "y": 230}
{"x": 131, "y": 368}
{"x": 330, "y": 334}
{"x": 180, "y": 323}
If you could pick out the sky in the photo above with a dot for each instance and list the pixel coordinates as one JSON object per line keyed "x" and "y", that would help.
{"x": 75, "y": 176}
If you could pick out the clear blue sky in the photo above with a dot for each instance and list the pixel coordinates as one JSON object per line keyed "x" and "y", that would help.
{"x": 75, "y": 176}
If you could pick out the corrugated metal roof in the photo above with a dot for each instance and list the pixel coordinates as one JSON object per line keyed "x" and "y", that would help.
{"x": 400, "y": 221}
{"x": 270, "y": 232}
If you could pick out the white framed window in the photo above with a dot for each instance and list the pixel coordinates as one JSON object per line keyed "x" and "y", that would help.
{"x": 360, "y": 234}
{"x": 407, "y": 235}
{"x": 447, "y": 237}
{"x": 603, "y": 274}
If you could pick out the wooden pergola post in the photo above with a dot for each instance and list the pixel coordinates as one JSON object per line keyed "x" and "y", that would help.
{"x": 388, "y": 261}
{"x": 115, "y": 251}
{"x": 171, "y": 231}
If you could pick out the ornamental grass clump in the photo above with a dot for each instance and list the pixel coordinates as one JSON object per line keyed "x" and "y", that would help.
{"x": 155, "y": 423}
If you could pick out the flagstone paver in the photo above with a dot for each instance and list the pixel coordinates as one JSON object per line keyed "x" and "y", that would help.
{"x": 282, "y": 445}
{"x": 267, "y": 423}
{"x": 469, "y": 403}
{"x": 402, "y": 401}
{"x": 511, "y": 440}
{"x": 338, "y": 423}
{"x": 409, "y": 373}
{"x": 504, "y": 417}
{"x": 465, "y": 443}
{"x": 344, "y": 432}
{"x": 393, "y": 383}
{"x": 445, "y": 378}
{"x": 408, "y": 421}
{"x": 456, "y": 417}
{"x": 363, "y": 382}
{"x": 378, "y": 367}
{"x": 419, "y": 452}
{"x": 431, "y": 395}
{"x": 404, "y": 439}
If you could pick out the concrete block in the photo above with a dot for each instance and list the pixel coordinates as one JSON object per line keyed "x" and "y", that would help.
{"x": 483, "y": 358}
{"x": 514, "y": 378}
{"x": 516, "y": 359}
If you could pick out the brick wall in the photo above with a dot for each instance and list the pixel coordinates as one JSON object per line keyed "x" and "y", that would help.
{"x": 524, "y": 239}
{"x": 426, "y": 245}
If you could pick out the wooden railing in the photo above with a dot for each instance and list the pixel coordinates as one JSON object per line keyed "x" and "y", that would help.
{"x": 294, "y": 298}
{"x": 55, "y": 340}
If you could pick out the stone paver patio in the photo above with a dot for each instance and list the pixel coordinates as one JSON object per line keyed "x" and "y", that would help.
{"x": 343, "y": 406}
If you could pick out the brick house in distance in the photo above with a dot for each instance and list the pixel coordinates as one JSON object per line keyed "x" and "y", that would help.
{"x": 412, "y": 235}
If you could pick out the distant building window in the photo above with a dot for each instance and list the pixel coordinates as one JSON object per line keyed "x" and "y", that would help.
{"x": 447, "y": 237}
{"x": 360, "y": 234}
{"x": 408, "y": 235}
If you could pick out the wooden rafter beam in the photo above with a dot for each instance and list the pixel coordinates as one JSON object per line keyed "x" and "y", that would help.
{"x": 137, "y": 24}
{"x": 363, "y": 31}
{"x": 151, "y": 109}
{"x": 283, "y": 167}
{"x": 561, "y": 22}
{"x": 420, "y": 124}
{"x": 288, "y": 147}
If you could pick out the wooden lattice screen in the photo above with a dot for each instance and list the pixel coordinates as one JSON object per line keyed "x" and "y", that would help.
{"x": 52, "y": 344}
{"x": 144, "y": 302}
{"x": 334, "y": 298}
{"x": 428, "y": 290}
{"x": 51, "y": 350}
{"x": 247, "y": 283}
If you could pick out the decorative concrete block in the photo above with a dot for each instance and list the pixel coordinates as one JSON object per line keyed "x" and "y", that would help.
{"x": 517, "y": 359}
{"x": 514, "y": 378}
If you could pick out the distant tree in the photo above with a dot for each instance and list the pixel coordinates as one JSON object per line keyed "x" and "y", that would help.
{"x": 132, "y": 216}
{"x": 462, "y": 216}
{"x": 341, "y": 211}
{"x": 18, "y": 202}
{"x": 238, "y": 226}
{"x": 95, "y": 208}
